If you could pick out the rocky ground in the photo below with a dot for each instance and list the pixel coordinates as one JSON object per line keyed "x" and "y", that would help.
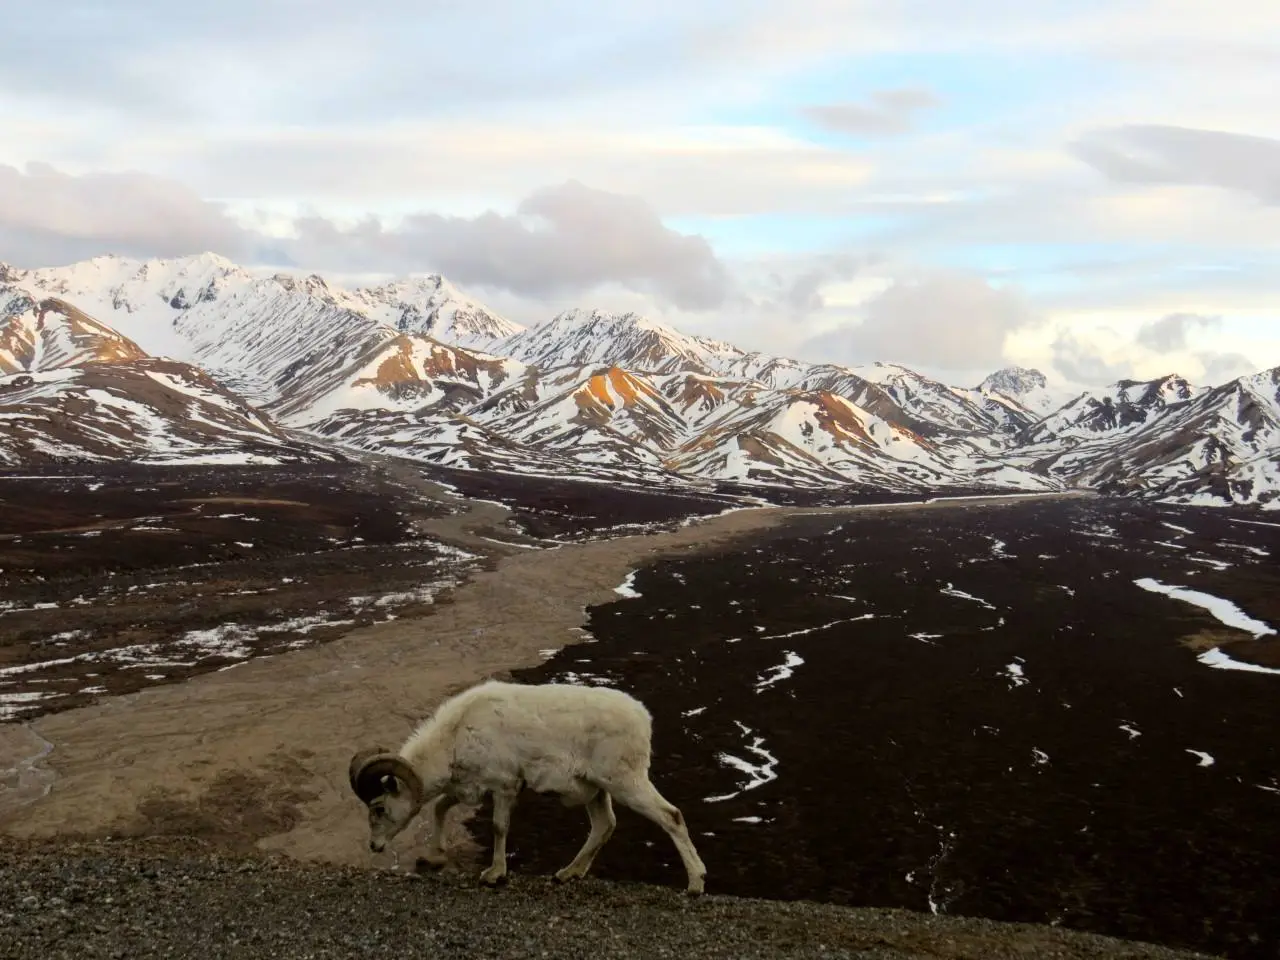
{"x": 175, "y": 900}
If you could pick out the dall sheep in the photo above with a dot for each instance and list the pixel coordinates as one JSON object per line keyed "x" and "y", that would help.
{"x": 590, "y": 745}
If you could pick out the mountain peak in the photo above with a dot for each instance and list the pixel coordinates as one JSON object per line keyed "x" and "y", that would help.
{"x": 431, "y": 305}
{"x": 1014, "y": 381}
{"x": 580, "y": 337}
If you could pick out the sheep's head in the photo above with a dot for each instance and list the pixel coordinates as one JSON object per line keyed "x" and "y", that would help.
{"x": 390, "y": 788}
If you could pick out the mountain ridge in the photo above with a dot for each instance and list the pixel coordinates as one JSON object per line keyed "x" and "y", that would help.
{"x": 418, "y": 368}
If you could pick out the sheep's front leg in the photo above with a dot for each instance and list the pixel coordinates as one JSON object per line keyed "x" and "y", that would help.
{"x": 434, "y": 855}
{"x": 503, "y": 803}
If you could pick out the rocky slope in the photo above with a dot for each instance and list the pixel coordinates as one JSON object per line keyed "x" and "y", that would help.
{"x": 176, "y": 900}
{"x": 146, "y": 410}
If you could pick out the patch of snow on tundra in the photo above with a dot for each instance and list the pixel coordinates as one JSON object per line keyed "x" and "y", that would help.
{"x": 779, "y": 673}
{"x": 950, "y": 591}
{"x": 1223, "y": 610}
{"x": 758, "y": 774}
{"x": 1216, "y": 658}
{"x": 1015, "y": 673}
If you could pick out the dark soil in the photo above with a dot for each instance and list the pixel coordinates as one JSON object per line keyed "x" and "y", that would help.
{"x": 921, "y": 772}
{"x": 181, "y": 901}
{"x": 557, "y": 509}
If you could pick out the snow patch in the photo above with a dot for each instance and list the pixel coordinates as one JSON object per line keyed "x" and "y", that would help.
{"x": 758, "y": 774}
{"x": 1216, "y": 658}
{"x": 1015, "y": 673}
{"x": 1224, "y": 611}
{"x": 627, "y": 588}
{"x": 779, "y": 673}
{"x": 950, "y": 591}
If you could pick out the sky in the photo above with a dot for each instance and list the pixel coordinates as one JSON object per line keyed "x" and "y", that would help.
{"x": 1090, "y": 188}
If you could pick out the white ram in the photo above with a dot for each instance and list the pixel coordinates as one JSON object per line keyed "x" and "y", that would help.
{"x": 590, "y": 745}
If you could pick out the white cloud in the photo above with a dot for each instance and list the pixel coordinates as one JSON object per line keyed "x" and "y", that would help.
{"x": 49, "y": 217}
{"x": 680, "y": 170}
{"x": 565, "y": 238}
{"x": 561, "y": 239}
{"x": 1096, "y": 350}
{"x": 1151, "y": 154}
{"x": 1171, "y": 332}
{"x": 945, "y": 320}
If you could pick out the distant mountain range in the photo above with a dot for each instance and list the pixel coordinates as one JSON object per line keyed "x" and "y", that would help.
{"x": 251, "y": 365}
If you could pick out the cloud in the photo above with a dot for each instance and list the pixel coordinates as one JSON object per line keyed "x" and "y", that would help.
{"x": 1159, "y": 347}
{"x": 1220, "y": 367}
{"x": 565, "y": 239}
{"x": 1153, "y": 154}
{"x": 1169, "y": 333}
{"x": 803, "y": 293}
{"x": 48, "y": 217}
{"x": 258, "y": 59}
{"x": 943, "y": 320}
{"x": 1080, "y": 361}
{"x": 562, "y": 238}
{"x": 463, "y": 165}
{"x": 890, "y": 112}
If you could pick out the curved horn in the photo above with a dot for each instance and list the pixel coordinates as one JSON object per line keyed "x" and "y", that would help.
{"x": 367, "y": 779}
{"x": 359, "y": 760}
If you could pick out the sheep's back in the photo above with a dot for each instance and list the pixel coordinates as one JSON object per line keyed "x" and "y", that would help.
{"x": 552, "y": 735}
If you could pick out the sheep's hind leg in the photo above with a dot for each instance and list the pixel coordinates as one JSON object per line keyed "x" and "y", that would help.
{"x": 434, "y": 855}
{"x": 503, "y": 803}
{"x": 643, "y": 797}
{"x": 600, "y": 810}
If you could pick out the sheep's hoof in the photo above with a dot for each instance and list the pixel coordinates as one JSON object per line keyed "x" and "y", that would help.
{"x": 431, "y": 861}
{"x": 696, "y": 887}
{"x": 567, "y": 874}
{"x": 493, "y": 876}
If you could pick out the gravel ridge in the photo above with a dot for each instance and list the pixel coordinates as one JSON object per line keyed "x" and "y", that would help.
{"x": 176, "y": 898}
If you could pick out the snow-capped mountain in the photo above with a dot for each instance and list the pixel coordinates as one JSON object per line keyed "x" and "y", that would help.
{"x": 182, "y": 307}
{"x": 433, "y": 307}
{"x": 73, "y": 388}
{"x": 1167, "y": 439}
{"x": 1123, "y": 407}
{"x": 47, "y": 334}
{"x": 820, "y": 438}
{"x": 147, "y": 410}
{"x": 578, "y": 338}
{"x": 301, "y": 348}
{"x": 1026, "y": 387}
{"x": 955, "y": 408}
{"x": 417, "y": 368}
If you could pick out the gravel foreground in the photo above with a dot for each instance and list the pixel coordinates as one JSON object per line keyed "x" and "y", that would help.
{"x": 134, "y": 899}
